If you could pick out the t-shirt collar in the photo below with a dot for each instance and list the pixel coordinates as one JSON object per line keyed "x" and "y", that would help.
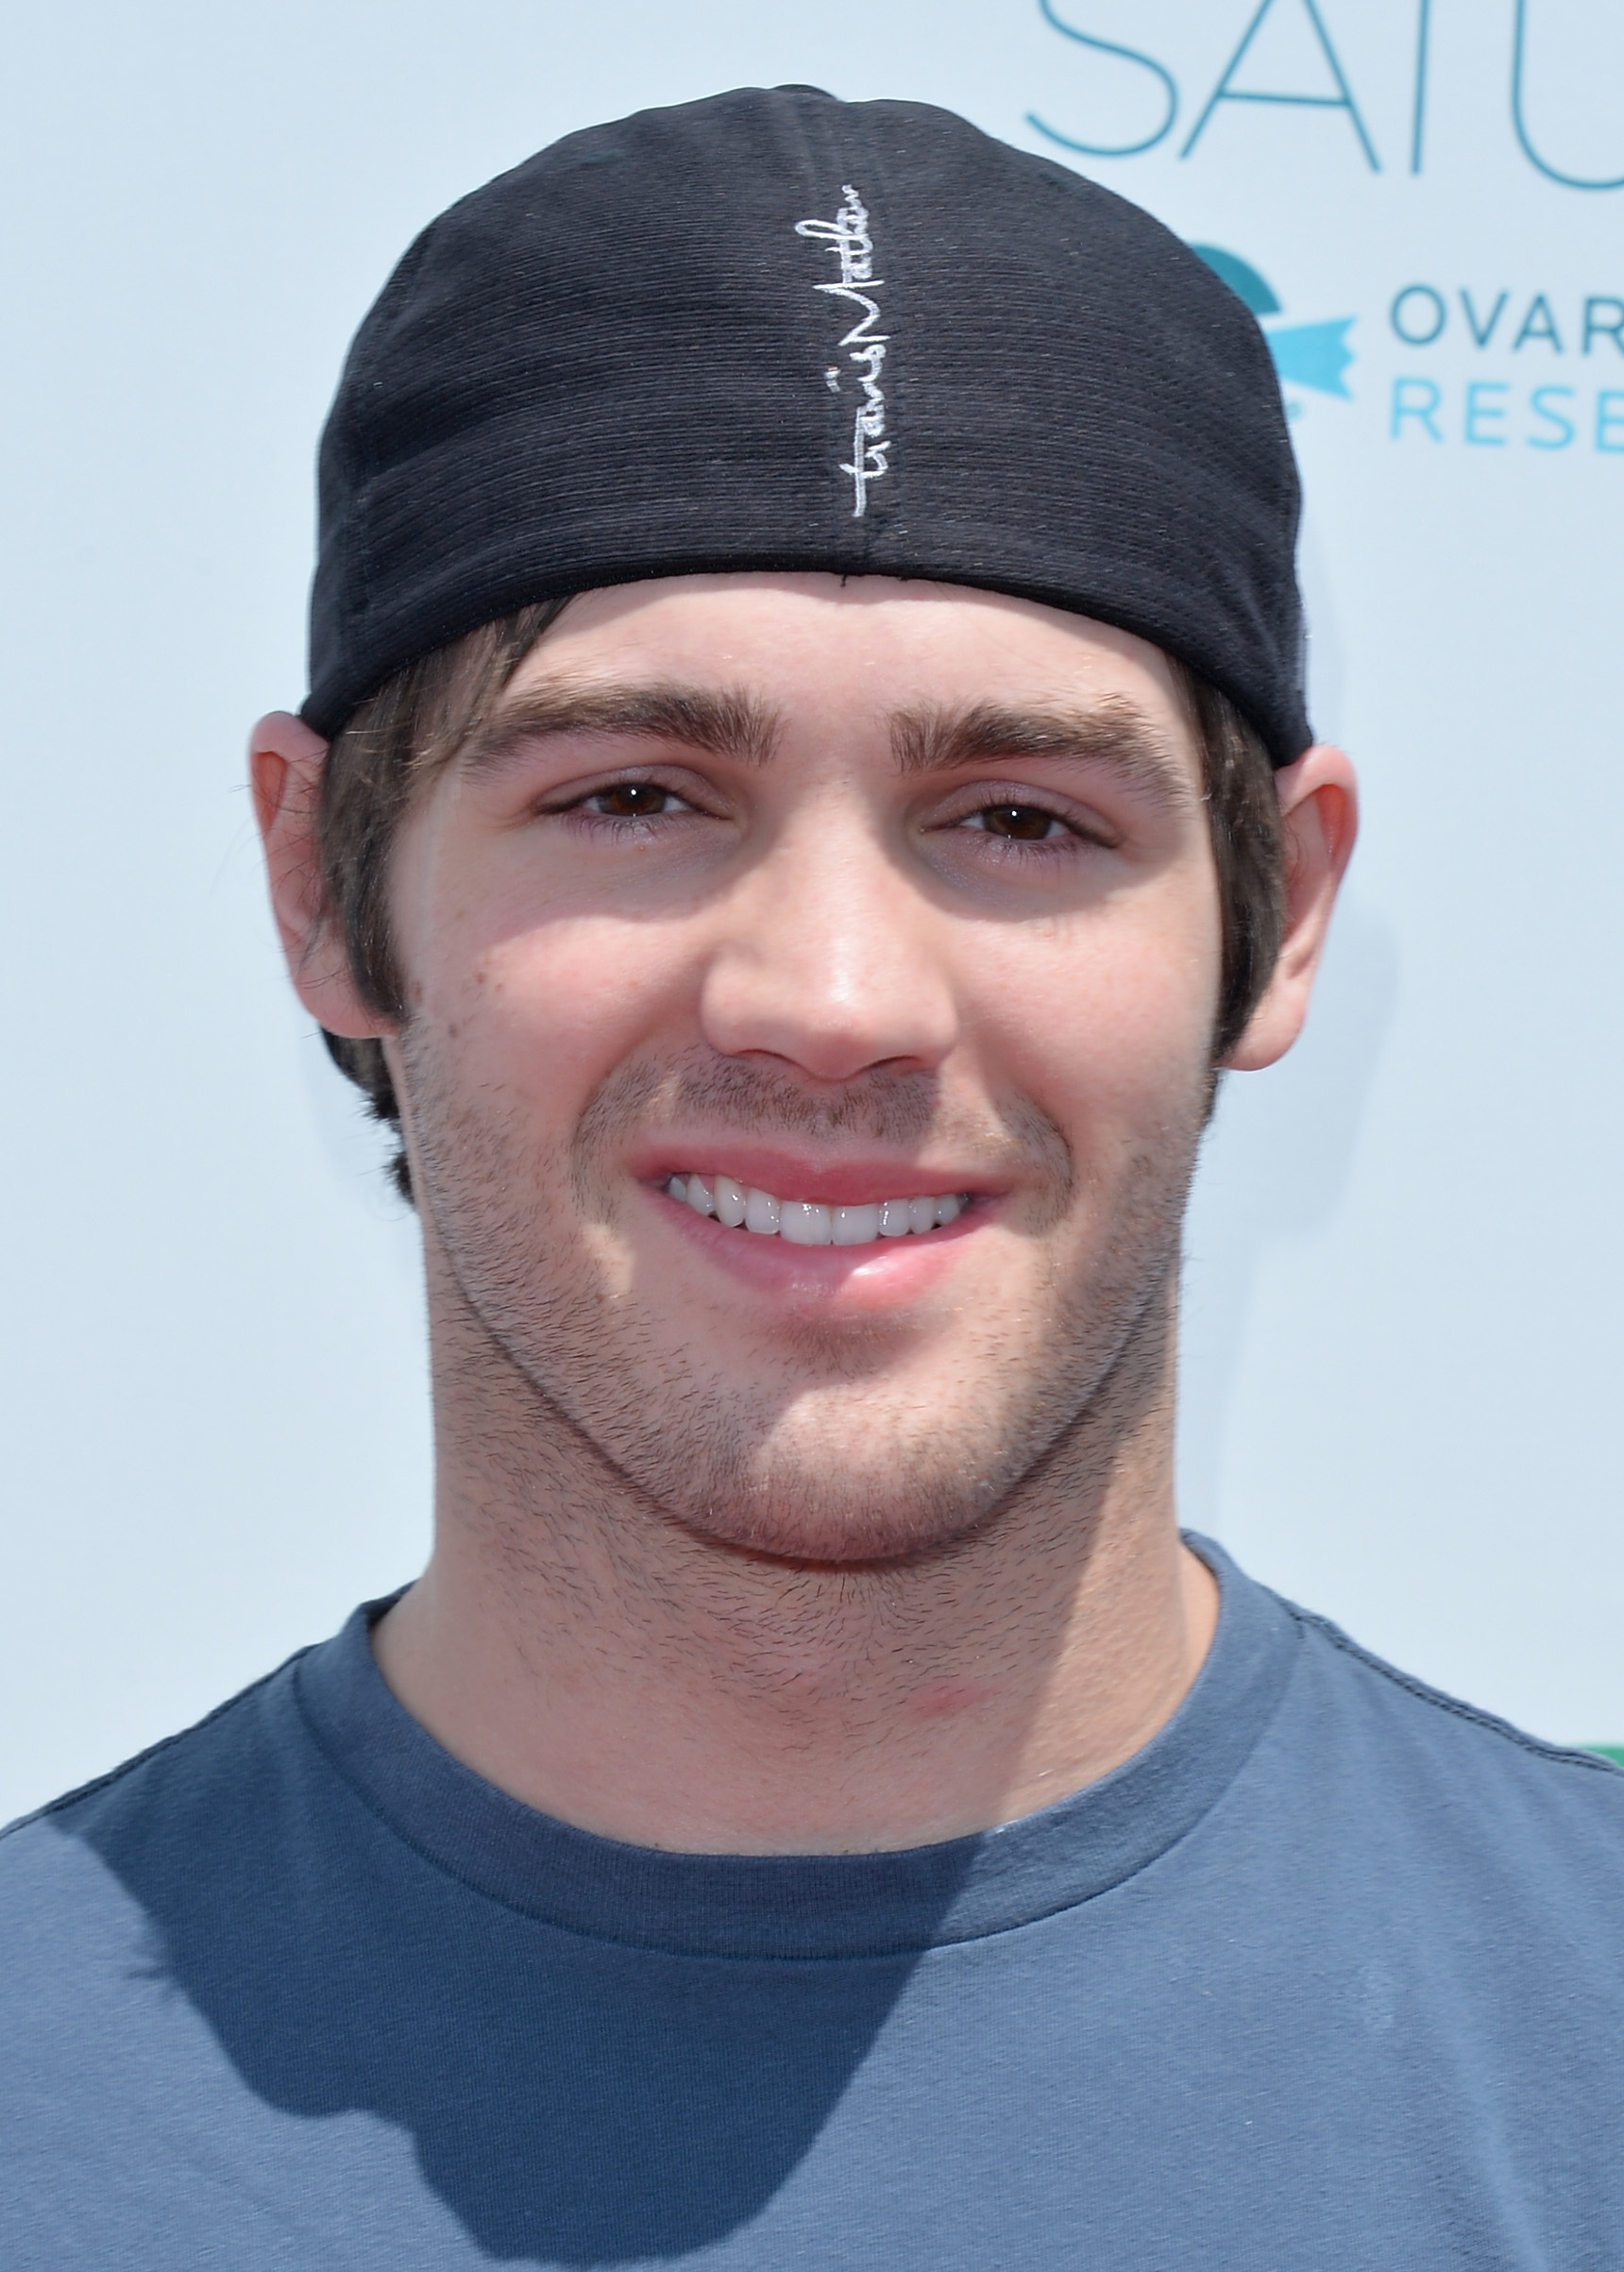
{"x": 789, "y": 1906}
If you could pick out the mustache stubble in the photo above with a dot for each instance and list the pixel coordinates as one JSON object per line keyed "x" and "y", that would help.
{"x": 901, "y": 1110}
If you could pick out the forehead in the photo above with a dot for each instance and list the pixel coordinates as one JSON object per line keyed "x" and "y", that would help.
{"x": 857, "y": 648}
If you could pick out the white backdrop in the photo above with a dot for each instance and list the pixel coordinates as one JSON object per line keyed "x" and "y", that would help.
{"x": 1406, "y": 1248}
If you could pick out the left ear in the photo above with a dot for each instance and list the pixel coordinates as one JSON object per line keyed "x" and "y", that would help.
{"x": 1319, "y": 819}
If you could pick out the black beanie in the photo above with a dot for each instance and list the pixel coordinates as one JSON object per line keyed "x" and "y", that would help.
{"x": 772, "y": 331}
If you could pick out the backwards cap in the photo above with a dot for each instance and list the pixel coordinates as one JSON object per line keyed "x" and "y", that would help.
{"x": 772, "y": 331}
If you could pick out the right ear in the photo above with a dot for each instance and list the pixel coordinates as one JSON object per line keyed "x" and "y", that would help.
{"x": 285, "y": 761}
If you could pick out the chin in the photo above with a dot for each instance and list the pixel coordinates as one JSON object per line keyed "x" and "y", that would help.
{"x": 797, "y": 1494}
{"x": 831, "y": 1531}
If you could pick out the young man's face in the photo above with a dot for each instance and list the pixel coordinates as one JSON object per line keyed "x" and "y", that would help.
{"x": 853, "y": 894}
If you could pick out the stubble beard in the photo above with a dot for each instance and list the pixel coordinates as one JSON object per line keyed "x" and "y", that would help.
{"x": 818, "y": 1458}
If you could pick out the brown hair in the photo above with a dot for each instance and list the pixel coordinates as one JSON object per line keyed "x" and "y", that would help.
{"x": 402, "y": 735}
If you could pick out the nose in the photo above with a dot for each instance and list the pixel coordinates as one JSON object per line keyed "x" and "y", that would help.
{"x": 829, "y": 957}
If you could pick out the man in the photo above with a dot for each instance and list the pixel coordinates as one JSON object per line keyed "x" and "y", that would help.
{"x": 804, "y": 786}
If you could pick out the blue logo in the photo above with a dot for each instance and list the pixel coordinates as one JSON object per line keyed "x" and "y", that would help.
{"x": 1314, "y": 355}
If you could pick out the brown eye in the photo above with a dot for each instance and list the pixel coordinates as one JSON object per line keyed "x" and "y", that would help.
{"x": 632, "y": 801}
{"x": 1030, "y": 823}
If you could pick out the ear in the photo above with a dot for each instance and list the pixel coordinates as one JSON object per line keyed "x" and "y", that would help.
{"x": 285, "y": 761}
{"x": 1319, "y": 818}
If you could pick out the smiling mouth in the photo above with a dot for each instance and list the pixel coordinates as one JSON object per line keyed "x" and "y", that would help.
{"x": 810, "y": 1222}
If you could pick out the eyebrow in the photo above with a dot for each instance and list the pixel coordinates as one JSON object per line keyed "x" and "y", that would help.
{"x": 1112, "y": 733}
{"x": 726, "y": 722}
{"x": 732, "y": 722}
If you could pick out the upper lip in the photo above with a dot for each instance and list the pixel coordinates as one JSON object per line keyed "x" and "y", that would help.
{"x": 789, "y": 1174}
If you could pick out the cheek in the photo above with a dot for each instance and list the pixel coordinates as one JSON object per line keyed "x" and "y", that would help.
{"x": 546, "y": 1012}
{"x": 526, "y": 994}
{"x": 1108, "y": 1020}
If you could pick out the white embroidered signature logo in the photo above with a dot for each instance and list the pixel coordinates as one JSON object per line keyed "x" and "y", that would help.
{"x": 848, "y": 234}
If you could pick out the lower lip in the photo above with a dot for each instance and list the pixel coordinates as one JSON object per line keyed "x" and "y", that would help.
{"x": 883, "y": 1270}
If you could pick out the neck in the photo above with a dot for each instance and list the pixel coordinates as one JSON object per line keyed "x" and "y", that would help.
{"x": 578, "y": 1649}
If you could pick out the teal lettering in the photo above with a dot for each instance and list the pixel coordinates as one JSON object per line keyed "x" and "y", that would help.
{"x": 1417, "y": 398}
{"x": 1440, "y": 315}
{"x": 1482, "y": 333}
{"x": 1520, "y": 123}
{"x": 1478, "y": 410}
{"x": 1418, "y": 115}
{"x": 1553, "y": 417}
{"x": 1341, "y": 100}
{"x": 1594, "y": 329}
{"x": 1608, "y": 421}
{"x": 1546, "y": 330}
{"x": 1129, "y": 55}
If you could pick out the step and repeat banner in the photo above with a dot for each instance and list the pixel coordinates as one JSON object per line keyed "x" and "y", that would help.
{"x": 1401, "y": 1322}
{"x": 1403, "y": 1287}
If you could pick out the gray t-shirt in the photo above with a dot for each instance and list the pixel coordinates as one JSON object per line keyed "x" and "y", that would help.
{"x": 1330, "y": 1974}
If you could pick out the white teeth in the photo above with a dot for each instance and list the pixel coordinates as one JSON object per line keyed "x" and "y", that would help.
{"x": 810, "y": 1222}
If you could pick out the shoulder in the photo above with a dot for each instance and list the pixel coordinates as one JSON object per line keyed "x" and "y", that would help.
{"x": 1440, "y": 1778}
{"x": 1464, "y": 1732}
{"x": 172, "y": 1763}
{"x": 177, "y": 1812}
{"x": 189, "y": 1864}
{"x": 127, "y": 1909}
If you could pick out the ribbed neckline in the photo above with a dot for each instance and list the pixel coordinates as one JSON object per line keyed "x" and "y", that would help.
{"x": 815, "y": 1906}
